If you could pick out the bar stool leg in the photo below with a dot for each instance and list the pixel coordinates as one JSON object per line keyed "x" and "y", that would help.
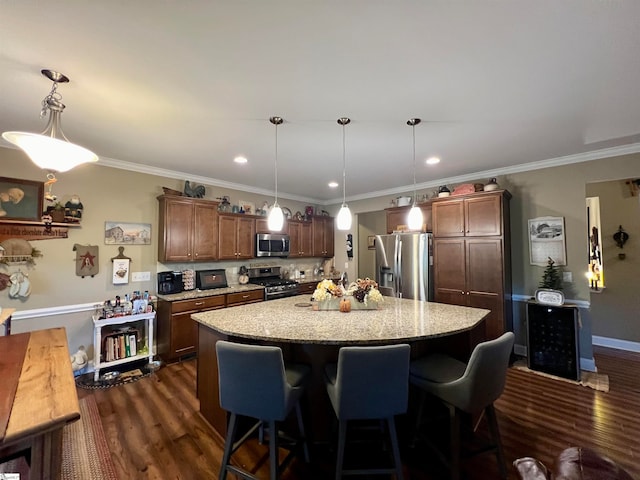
{"x": 342, "y": 434}
{"x": 228, "y": 445}
{"x": 395, "y": 448}
{"x": 495, "y": 434}
{"x": 273, "y": 451}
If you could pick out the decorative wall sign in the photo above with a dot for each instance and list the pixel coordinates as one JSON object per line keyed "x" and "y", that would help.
{"x": 546, "y": 240}
{"x": 86, "y": 260}
{"x": 122, "y": 233}
{"x": 20, "y": 199}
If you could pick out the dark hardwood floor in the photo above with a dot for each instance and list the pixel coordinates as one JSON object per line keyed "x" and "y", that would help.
{"x": 154, "y": 429}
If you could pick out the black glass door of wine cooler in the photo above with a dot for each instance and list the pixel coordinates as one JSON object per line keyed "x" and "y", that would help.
{"x": 552, "y": 340}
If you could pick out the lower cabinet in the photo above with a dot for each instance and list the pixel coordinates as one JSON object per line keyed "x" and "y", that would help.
{"x": 240, "y": 298}
{"x": 177, "y": 333}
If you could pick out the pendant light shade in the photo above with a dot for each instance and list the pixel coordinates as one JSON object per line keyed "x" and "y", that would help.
{"x": 275, "y": 220}
{"x": 343, "y": 221}
{"x": 51, "y": 150}
{"x": 415, "y": 219}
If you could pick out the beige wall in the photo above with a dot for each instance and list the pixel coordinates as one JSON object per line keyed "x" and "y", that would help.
{"x": 616, "y": 309}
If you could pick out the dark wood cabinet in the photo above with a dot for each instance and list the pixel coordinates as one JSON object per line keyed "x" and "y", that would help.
{"x": 236, "y": 236}
{"x": 188, "y": 229}
{"x": 300, "y": 243}
{"x": 307, "y": 287}
{"x": 397, "y": 217}
{"x": 472, "y": 256}
{"x": 322, "y": 233}
{"x": 475, "y": 216}
{"x": 241, "y": 298}
{"x": 177, "y": 333}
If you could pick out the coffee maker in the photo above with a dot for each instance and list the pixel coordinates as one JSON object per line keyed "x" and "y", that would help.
{"x": 169, "y": 282}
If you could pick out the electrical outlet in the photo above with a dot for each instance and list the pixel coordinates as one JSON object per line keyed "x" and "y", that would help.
{"x": 567, "y": 277}
{"x": 346, "y": 265}
{"x": 140, "y": 276}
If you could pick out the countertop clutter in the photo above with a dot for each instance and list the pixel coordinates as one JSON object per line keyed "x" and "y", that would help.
{"x": 191, "y": 294}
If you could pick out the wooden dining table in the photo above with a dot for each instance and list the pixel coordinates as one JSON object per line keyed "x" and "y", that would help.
{"x": 37, "y": 399}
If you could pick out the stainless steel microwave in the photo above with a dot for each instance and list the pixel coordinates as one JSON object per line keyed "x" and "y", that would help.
{"x": 272, "y": 245}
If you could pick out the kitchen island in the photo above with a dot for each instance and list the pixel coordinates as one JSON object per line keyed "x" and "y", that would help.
{"x": 314, "y": 337}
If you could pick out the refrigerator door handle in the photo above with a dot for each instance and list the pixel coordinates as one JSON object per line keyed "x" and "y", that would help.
{"x": 399, "y": 267}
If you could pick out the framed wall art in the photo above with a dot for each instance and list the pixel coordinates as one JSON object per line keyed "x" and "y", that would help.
{"x": 547, "y": 240}
{"x": 20, "y": 199}
{"x": 122, "y": 233}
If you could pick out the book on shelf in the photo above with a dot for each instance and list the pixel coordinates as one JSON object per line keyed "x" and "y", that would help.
{"x": 118, "y": 345}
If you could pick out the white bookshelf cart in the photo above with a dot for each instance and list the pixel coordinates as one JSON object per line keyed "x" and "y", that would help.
{"x": 98, "y": 324}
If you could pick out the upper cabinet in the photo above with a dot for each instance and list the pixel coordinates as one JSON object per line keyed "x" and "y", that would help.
{"x": 478, "y": 215}
{"x": 187, "y": 229}
{"x": 236, "y": 236}
{"x": 323, "y": 236}
{"x": 300, "y": 238}
{"x": 397, "y": 217}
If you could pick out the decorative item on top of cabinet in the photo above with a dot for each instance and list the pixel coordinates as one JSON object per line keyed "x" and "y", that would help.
{"x": 188, "y": 229}
{"x": 194, "y": 191}
{"x": 472, "y": 255}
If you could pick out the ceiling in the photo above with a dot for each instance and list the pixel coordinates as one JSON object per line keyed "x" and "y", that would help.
{"x": 182, "y": 87}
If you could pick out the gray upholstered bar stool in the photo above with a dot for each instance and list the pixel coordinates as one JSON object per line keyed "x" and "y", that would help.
{"x": 254, "y": 382}
{"x": 369, "y": 383}
{"x": 466, "y": 388}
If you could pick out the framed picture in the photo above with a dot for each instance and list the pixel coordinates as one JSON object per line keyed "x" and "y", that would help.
{"x": 20, "y": 199}
{"x": 371, "y": 242}
{"x": 248, "y": 207}
{"x": 122, "y": 233}
{"x": 547, "y": 240}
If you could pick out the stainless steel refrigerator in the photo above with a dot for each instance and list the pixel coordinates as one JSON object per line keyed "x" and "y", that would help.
{"x": 403, "y": 265}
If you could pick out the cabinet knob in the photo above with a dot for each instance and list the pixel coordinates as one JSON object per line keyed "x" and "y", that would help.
{"x": 245, "y": 296}
{"x": 197, "y": 304}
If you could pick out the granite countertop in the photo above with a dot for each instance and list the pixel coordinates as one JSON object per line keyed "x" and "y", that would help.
{"x": 191, "y": 294}
{"x": 396, "y": 319}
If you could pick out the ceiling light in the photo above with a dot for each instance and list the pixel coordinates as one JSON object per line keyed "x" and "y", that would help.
{"x": 275, "y": 220}
{"x": 432, "y": 160}
{"x": 415, "y": 214}
{"x": 240, "y": 159}
{"x": 344, "y": 215}
{"x": 51, "y": 150}
{"x": 333, "y": 184}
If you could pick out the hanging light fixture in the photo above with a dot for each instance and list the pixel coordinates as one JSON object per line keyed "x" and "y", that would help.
{"x": 275, "y": 220}
{"x": 415, "y": 214}
{"x": 51, "y": 150}
{"x": 344, "y": 215}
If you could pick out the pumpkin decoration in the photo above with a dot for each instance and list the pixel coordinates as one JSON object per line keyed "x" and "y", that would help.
{"x": 345, "y": 305}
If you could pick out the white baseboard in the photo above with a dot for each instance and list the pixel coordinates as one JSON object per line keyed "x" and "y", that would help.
{"x": 615, "y": 343}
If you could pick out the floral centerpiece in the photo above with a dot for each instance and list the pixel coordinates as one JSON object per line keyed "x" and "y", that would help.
{"x": 362, "y": 294}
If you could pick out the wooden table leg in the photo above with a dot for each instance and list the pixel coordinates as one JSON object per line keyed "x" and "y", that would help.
{"x": 46, "y": 456}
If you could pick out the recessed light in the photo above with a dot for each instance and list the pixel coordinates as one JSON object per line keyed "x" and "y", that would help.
{"x": 240, "y": 159}
{"x": 333, "y": 184}
{"x": 433, "y": 160}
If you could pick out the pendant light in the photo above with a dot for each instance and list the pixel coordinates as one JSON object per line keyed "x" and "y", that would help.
{"x": 415, "y": 214}
{"x": 51, "y": 150}
{"x": 275, "y": 220}
{"x": 344, "y": 215}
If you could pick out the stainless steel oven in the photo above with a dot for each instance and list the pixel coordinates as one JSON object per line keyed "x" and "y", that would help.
{"x": 274, "y": 286}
